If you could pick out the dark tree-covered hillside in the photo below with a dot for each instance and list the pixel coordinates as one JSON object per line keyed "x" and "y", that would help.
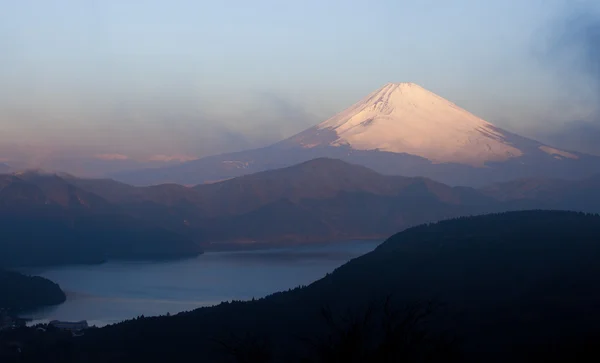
{"x": 513, "y": 287}
{"x": 20, "y": 292}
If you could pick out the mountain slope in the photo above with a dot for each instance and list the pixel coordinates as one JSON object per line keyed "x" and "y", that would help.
{"x": 324, "y": 200}
{"x": 121, "y": 193}
{"x": 320, "y": 178}
{"x": 61, "y": 192}
{"x": 318, "y": 200}
{"x": 406, "y": 118}
{"x": 400, "y": 129}
{"x": 58, "y": 223}
{"x": 510, "y": 284}
{"x": 15, "y": 192}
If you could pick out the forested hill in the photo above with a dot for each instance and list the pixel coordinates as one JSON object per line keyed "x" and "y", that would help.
{"x": 20, "y": 292}
{"x": 508, "y": 285}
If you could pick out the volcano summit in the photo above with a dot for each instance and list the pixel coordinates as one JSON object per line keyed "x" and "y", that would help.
{"x": 401, "y": 129}
{"x": 406, "y": 118}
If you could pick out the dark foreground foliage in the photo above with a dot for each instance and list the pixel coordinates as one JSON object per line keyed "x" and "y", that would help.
{"x": 381, "y": 332}
{"x": 516, "y": 287}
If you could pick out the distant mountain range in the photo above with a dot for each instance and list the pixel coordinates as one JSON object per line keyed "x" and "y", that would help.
{"x": 316, "y": 201}
{"x": 81, "y": 164}
{"x": 322, "y": 200}
{"x": 400, "y": 129}
{"x": 579, "y": 195}
{"x": 512, "y": 287}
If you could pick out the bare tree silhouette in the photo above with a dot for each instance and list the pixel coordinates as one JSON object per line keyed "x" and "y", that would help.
{"x": 381, "y": 332}
{"x": 249, "y": 348}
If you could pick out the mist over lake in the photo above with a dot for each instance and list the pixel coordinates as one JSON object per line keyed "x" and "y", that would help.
{"x": 115, "y": 291}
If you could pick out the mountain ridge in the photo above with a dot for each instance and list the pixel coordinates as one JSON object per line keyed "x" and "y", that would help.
{"x": 321, "y": 200}
{"x": 46, "y": 221}
{"x": 324, "y": 200}
{"x": 400, "y": 129}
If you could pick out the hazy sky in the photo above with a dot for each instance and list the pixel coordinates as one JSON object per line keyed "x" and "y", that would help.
{"x": 148, "y": 78}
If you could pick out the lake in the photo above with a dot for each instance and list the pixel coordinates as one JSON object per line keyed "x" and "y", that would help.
{"x": 116, "y": 291}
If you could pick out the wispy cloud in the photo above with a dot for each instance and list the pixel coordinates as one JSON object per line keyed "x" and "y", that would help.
{"x": 581, "y": 136}
{"x": 275, "y": 116}
{"x": 168, "y": 158}
{"x": 570, "y": 49}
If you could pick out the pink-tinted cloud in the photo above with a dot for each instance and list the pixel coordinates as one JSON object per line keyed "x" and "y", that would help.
{"x": 111, "y": 157}
{"x": 168, "y": 158}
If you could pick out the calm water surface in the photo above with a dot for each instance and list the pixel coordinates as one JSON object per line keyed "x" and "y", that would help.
{"x": 115, "y": 291}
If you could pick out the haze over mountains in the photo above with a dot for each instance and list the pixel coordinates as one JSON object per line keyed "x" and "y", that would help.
{"x": 321, "y": 200}
{"x": 4, "y": 168}
{"x": 400, "y": 129}
{"x": 579, "y": 195}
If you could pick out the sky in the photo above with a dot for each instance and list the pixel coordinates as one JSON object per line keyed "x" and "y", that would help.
{"x": 179, "y": 79}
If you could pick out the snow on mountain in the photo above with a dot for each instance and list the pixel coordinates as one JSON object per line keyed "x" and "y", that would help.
{"x": 400, "y": 129}
{"x": 406, "y": 118}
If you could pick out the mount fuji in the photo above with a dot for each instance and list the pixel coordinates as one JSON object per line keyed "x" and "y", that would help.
{"x": 400, "y": 129}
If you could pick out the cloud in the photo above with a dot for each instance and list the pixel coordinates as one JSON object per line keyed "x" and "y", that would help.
{"x": 169, "y": 158}
{"x": 262, "y": 118}
{"x": 571, "y": 47}
{"x": 275, "y": 117}
{"x": 583, "y": 136}
{"x": 111, "y": 157}
{"x": 164, "y": 130}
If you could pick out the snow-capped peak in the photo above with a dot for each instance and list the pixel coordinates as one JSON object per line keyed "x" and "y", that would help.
{"x": 406, "y": 118}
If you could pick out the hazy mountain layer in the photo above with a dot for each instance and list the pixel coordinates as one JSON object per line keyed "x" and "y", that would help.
{"x": 322, "y": 200}
{"x": 316, "y": 201}
{"x": 46, "y": 220}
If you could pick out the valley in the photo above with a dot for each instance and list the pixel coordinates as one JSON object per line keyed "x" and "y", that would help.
{"x": 121, "y": 290}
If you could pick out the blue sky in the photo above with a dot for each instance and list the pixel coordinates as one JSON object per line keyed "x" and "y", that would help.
{"x": 143, "y": 78}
